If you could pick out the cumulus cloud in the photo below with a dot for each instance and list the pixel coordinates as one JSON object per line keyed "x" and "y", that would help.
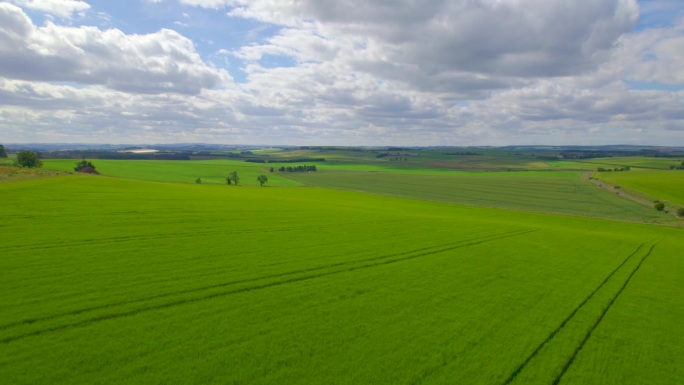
{"x": 61, "y": 8}
{"x": 164, "y": 61}
{"x": 656, "y": 55}
{"x": 415, "y": 72}
{"x": 467, "y": 48}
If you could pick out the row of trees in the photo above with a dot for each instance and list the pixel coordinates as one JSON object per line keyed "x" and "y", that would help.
{"x": 680, "y": 167}
{"x": 297, "y": 168}
{"x": 601, "y": 169}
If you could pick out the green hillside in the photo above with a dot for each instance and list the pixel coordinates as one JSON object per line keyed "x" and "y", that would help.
{"x": 107, "y": 280}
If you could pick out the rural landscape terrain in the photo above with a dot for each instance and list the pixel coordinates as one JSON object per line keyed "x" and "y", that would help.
{"x": 342, "y": 265}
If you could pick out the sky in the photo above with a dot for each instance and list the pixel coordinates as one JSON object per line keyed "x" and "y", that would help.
{"x": 354, "y": 72}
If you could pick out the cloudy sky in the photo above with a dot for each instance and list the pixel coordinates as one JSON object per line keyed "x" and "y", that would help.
{"x": 354, "y": 72}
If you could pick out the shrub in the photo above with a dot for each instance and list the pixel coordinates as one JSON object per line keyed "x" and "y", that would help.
{"x": 28, "y": 159}
{"x": 680, "y": 212}
{"x": 85, "y": 167}
{"x": 660, "y": 206}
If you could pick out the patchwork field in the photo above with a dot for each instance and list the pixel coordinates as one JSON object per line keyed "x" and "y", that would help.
{"x": 209, "y": 171}
{"x": 109, "y": 280}
{"x": 557, "y": 192}
{"x": 665, "y": 185}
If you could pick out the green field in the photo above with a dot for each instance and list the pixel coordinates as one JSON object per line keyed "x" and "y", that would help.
{"x": 560, "y": 192}
{"x": 634, "y": 162}
{"x": 140, "y": 276}
{"x": 209, "y": 171}
{"x": 658, "y": 184}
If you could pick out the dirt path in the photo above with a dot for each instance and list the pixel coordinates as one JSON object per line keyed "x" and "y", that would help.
{"x": 603, "y": 185}
{"x": 607, "y": 187}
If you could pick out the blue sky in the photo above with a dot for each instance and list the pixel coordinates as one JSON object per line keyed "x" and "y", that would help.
{"x": 373, "y": 72}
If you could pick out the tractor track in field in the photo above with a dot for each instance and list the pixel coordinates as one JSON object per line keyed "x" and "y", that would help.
{"x": 356, "y": 265}
{"x": 572, "y": 314}
{"x": 177, "y": 234}
{"x": 214, "y": 286}
{"x": 599, "y": 319}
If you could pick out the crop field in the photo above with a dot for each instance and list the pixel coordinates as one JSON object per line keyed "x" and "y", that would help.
{"x": 108, "y": 280}
{"x": 658, "y": 184}
{"x": 562, "y": 192}
{"x": 209, "y": 171}
{"x": 634, "y": 162}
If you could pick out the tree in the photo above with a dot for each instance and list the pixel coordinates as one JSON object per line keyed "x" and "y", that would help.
{"x": 3, "y": 154}
{"x": 234, "y": 177}
{"x": 228, "y": 181}
{"x": 660, "y": 206}
{"x": 28, "y": 159}
{"x": 86, "y": 167}
{"x": 83, "y": 164}
{"x": 198, "y": 180}
{"x": 272, "y": 169}
{"x": 680, "y": 212}
{"x": 262, "y": 179}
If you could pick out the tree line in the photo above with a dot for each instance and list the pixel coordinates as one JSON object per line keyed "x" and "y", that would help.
{"x": 601, "y": 169}
{"x": 307, "y": 168}
{"x": 293, "y": 160}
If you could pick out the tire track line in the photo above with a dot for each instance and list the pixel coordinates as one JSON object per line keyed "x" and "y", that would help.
{"x": 225, "y": 284}
{"x": 165, "y": 236}
{"x": 371, "y": 262}
{"x": 600, "y": 318}
{"x": 219, "y": 285}
{"x": 572, "y": 314}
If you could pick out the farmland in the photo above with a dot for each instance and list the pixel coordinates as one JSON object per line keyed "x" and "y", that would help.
{"x": 209, "y": 171}
{"x": 552, "y": 192}
{"x": 657, "y": 184}
{"x": 435, "y": 277}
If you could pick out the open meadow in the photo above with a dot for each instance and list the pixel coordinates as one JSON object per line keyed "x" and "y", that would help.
{"x": 115, "y": 279}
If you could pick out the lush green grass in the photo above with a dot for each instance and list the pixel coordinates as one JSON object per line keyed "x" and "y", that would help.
{"x": 109, "y": 280}
{"x": 562, "y": 192}
{"x": 210, "y": 171}
{"x": 664, "y": 185}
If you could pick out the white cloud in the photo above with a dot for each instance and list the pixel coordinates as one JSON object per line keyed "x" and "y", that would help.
{"x": 164, "y": 61}
{"x": 656, "y": 55}
{"x": 61, "y": 8}
{"x": 464, "y": 47}
{"x": 413, "y": 72}
{"x": 214, "y": 4}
